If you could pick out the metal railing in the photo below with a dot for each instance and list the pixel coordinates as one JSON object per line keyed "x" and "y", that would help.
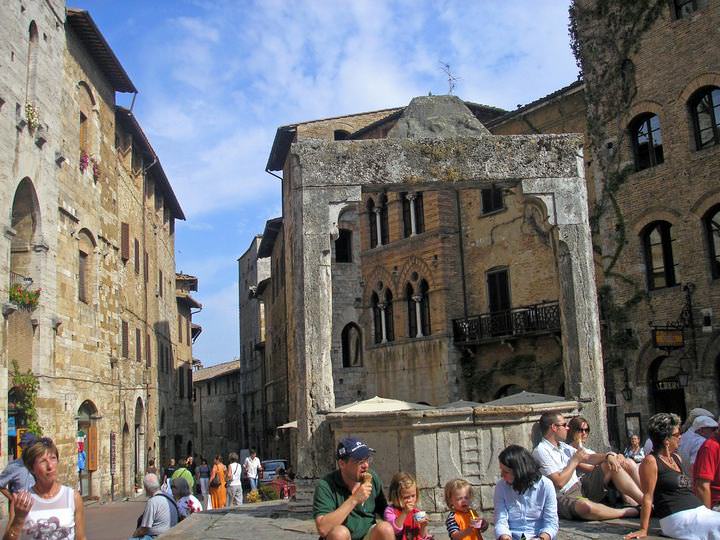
{"x": 19, "y": 279}
{"x": 516, "y": 322}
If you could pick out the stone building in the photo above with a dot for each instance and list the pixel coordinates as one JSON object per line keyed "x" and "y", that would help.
{"x": 90, "y": 224}
{"x": 216, "y": 415}
{"x": 252, "y": 272}
{"x": 653, "y": 102}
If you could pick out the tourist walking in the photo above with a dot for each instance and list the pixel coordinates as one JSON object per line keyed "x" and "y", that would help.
{"x": 252, "y": 468}
{"x": 235, "y": 494}
{"x": 49, "y": 509}
{"x": 525, "y": 500}
{"x": 203, "y": 477}
{"x": 218, "y": 474}
{"x": 666, "y": 490}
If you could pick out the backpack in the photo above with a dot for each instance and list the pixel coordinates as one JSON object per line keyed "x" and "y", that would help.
{"x": 139, "y": 519}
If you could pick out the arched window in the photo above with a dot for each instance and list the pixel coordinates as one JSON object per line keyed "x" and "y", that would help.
{"x": 389, "y": 325}
{"x": 384, "y": 227}
{"x": 31, "y": 68}
{"x": 647, "y": 141}
{"x": 659, "y": 264}
{"x": 343, "y": 246}
{"x": 411, "y": 311}
{"x": 424, "y": 307}
{"x": 705, "y": 110}
{"x": 351, "y": 346}
{"x": 87, "y": 105}
{"x": 86, "y": 247}
{"x": 413, "y": 213}
{"x": 382, "y": 316}
{"x": 711, "y": 221}
{"x": 373, "y": 223}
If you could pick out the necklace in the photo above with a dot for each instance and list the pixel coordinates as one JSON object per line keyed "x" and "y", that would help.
{"x": 670, "y": 463}
{"x": 50, "y": 493}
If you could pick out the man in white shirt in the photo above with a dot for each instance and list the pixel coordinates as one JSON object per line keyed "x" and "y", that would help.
{"x": 701, "y": 430}
{"x": 252, "y": 468}
{"x": 576, "y": 498}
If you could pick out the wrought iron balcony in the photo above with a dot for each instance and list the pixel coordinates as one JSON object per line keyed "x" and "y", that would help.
{"x": 517, "y": 322}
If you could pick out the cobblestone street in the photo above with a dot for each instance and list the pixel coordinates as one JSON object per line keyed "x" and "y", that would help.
{"x": 271, "y": 521}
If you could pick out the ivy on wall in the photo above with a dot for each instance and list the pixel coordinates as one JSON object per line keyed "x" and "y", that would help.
{"x": 28, "y": 385}
{"x": 604, "y": 34}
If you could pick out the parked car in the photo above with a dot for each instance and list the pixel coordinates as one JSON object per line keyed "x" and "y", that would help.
{"x": 270, "y": 468}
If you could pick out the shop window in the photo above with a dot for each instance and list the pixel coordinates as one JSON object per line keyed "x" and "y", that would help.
{"x": 647, "y": 141}
{"x": 705, "y": 112}
{"x": 659, "y": 264}
{"x": 343, "y": 246}
{"x": 711, "y": 221}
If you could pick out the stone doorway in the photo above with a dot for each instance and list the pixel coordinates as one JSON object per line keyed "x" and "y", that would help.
{"x": 667, "y": 393}
{"x": 87, "y": 446}
{"x": 139, "y": 438}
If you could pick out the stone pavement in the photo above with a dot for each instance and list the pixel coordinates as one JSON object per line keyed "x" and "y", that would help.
{"x": 272, "y": 521}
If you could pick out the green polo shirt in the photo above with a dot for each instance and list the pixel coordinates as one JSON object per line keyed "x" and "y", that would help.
{"x": 331, "y": 492}
{"x": 182, "y": 472}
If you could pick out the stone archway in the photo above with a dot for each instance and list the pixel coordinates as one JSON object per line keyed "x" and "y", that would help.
{"x": 437, "y": 143}
{"x": 666, "y": 392}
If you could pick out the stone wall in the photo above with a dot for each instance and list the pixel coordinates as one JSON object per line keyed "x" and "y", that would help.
{"x": 216, "y": 415}
{"x": 438, "y": 445}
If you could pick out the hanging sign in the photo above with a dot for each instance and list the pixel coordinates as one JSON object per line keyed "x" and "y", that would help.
{"x": 668, "y": 338}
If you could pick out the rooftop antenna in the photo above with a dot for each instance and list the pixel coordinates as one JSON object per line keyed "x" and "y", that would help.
{"x": 452, "y": 79}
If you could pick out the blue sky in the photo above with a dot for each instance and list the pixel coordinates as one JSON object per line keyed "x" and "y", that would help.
{"x": 217, "y": 77}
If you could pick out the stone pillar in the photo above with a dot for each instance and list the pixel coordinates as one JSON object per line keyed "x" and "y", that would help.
{"x": 383, "y": 327}
{"x": 418, "y": 318}
{"x": 567, "y": 210}
{"x": 413, "y": 225}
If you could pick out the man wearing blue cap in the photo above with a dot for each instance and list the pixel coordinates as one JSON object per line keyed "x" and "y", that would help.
{"x": 16, "y": 477}
{"x": 349, "y": 499}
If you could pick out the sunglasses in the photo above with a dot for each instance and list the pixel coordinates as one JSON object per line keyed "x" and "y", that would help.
{"x": 564, "y": 425}
{"x": 584, "y": 430}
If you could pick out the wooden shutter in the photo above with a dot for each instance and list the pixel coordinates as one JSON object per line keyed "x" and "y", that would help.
{"x": 148, "y": 357}
{"x": 138, "y": 345}
{"x": 137, "y": 256}
{"x": 124, "y": 241}
{"x": 146, "y": 269}
{"x": 92, "y": 447}
{"x": 180, "y": 328}
{"x": 188, "y": 332}
{"x": 125, "y": 345}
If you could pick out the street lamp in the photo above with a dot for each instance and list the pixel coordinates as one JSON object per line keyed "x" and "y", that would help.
{"x": 683, "y": 377}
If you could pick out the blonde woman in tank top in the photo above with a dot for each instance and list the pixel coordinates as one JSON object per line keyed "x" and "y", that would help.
{"x": 50, "y": 511}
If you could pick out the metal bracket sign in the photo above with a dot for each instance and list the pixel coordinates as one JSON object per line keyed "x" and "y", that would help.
{"x": 668, "y": 338}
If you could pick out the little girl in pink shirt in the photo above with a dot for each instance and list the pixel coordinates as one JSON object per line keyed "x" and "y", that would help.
{"x": 408, "y": 522}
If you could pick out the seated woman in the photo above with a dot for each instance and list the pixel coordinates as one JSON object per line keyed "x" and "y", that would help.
{"x": 634, "y": 451}
{"x": 666, "y": 490}
{"x": 525, "y": 501}
{"x": 578, "y": 434}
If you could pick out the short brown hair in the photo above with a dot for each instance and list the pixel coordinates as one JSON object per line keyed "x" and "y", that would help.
{"x": 454, "y": 485}
{"x": 38, "y": 449}
{"x": 400, "y": 482}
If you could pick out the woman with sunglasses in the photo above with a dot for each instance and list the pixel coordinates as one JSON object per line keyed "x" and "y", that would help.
{"x": 667, "y": 492}
{"x": 578, "y": 433}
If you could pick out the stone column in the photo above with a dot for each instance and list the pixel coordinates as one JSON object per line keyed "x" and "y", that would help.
{"x": 413, "y": 225}
{"x": 378, "y": 226}
{"x": 567, "y": 210}
{"x": 381, "y": 306}
{"x": 418, "y": 318}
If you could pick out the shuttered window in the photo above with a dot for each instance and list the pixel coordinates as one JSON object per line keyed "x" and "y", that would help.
{"x": 188, "y": 333}
{"x": 138, "y": 345}
{"x": 125, "y": 338}
{"x": 137, "y": 257}
{"x": 148, "y": 355}
{"x": 146, "y": 267}
{"x": 180, "y": 328}
{"x": 189, "y": 382}
{"x": 125, "y": 241}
